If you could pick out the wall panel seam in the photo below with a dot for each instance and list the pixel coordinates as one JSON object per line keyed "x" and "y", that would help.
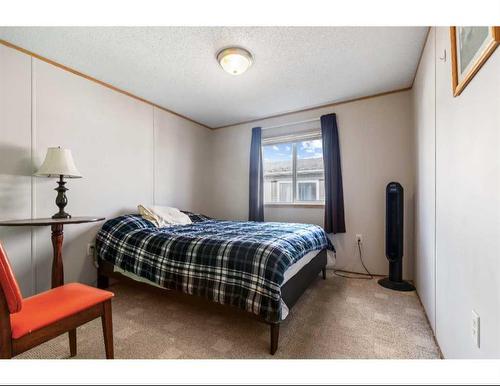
{"x": 154, "y": 156}
{"x": 435, "y": 183}
{"x": 34, "y": 265}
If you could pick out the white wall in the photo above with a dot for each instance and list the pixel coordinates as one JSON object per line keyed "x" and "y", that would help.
{"x": 376, "y": 140}
{"x": 127, "y": 151}
{"x": 15, "y": 160}
{"x": 467, "y": 170}
{"x": 183, "y": 162}
{"x": 425, "y": 178}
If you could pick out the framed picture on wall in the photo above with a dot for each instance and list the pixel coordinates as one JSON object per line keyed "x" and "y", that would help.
{"x": 470, "y": 49}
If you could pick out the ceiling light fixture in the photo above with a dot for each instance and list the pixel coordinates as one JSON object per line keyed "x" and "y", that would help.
{"x": 235, "y": 60}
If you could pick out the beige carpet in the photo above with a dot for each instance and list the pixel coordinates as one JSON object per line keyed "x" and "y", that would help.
{"x": 335, "y": 318}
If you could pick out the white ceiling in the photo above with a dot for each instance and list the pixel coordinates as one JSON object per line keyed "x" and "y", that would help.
{"x": 175, "y": 67}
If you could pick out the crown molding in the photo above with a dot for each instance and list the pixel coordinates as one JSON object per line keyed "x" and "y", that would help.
{"x": 100, "y": 82}
{"x": 114, "y": 88}
{"x": 317, "y": 107}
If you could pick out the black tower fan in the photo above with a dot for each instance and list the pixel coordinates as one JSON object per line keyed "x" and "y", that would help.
{"x": 394, "y": 238}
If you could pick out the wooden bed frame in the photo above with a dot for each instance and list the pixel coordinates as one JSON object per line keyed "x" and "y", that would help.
{"x": 290, "y": 292}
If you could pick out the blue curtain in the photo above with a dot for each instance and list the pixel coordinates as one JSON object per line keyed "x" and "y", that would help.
{"x": 334, "y": 193}
{"x": 256, "y": 205}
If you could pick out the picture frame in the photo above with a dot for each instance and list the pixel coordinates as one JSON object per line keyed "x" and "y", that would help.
{"x": 470, "y": 49}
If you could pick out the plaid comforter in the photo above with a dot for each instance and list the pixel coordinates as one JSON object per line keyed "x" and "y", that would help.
{"x": 237, "y": 263}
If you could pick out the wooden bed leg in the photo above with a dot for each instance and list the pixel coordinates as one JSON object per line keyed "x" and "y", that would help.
{"x": 323, "y": 271}
{"x": 102, "y": 281}
{"x": 275, "y": 334}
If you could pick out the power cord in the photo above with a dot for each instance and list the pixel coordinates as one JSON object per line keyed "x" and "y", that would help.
{"x": 355, "y": 275}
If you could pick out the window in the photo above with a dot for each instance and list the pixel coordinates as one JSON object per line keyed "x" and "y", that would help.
{"x": 308, "y": 190}
{"x": 285, "y": 191}
{"x": 293, "y": 169}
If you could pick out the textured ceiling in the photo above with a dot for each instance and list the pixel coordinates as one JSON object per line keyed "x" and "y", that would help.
{"x": 175, "y": 67}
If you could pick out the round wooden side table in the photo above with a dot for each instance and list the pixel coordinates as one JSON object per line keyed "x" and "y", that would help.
{"x": 56, "y": 225}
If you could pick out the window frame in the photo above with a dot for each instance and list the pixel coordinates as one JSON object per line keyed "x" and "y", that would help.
{"x": 293, "y": 139}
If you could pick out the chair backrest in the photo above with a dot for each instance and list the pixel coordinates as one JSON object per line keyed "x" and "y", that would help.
{"x": 9, "y": 284}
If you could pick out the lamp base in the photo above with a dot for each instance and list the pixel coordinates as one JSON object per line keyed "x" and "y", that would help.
{"x": 61, "y": 199}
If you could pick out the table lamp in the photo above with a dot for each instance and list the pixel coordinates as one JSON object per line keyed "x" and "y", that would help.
{"x": 59, "y": 163}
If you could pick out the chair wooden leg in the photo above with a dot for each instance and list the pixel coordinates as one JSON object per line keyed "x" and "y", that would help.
{"x": 5, "y": 329}
{"x": 107, "y": 329}
{"x": 323, "y": 271}
{"x": 275, "y": 334}
{"x": 72, "y": 342}
{"x": 6, "y": 349}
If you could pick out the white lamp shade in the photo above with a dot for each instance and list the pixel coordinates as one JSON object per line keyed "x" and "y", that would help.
{"x": 58, "y": 162}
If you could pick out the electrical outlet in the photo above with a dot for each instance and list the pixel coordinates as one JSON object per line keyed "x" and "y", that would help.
{"x": 476, "y": 328}
{"x": 90, "y": 249}
{"x": 359, "y": 238}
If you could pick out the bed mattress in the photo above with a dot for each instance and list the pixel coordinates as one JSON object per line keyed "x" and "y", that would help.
{"x": 243, "y": 264}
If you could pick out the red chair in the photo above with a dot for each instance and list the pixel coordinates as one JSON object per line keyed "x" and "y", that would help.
{"x": 26, "y": 323}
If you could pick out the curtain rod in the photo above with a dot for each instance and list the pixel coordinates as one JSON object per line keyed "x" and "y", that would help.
{"x": 291, "y": 123}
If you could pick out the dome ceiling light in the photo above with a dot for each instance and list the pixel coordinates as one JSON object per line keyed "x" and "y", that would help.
{"x": 235, "y": 60}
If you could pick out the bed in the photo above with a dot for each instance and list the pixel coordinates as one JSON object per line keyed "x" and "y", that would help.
{"x": 261, "y": 268}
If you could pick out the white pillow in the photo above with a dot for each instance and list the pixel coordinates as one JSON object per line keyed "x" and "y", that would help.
{"x": 163, "y": 216}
